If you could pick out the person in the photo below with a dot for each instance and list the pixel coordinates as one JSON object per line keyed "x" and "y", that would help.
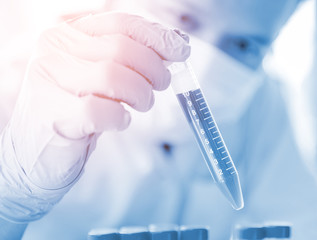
{"x": 153, "y": 171}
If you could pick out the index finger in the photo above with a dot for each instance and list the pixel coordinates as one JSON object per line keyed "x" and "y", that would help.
{"x": 165, "y": 42}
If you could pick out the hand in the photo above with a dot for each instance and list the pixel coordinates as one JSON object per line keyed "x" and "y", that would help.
{"x": 76, "y": 83}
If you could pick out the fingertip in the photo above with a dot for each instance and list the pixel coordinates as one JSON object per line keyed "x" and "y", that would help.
{"x": 145, "y": 104}
{"x": 185, "y": 52}
{"x": 151, "y": 101}
{"x": 182, "y": 51}
{"x": 166, "y": 81}
{"x": 126, "y": 120}
{"x": 177, "y": 48}
{"x": 182, "y": 35}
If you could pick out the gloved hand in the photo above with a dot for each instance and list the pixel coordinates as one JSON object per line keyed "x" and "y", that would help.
{"x": 75, "y": 85}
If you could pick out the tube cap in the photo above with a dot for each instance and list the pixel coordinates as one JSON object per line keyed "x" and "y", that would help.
{"x": 250, "y": 233}
{"x": 164, "y": 232}
{"x": 278, "y": 231}
{"x": 190, "y": 233}
{"x": 134, "y": 233}
{"x": 103, "y": 234}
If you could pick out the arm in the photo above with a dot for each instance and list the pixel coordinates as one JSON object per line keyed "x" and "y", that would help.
{"x": 11, "y": 231}
{"x": 82, "y": 73}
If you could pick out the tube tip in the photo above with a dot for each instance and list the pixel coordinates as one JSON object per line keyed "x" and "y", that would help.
{"x": 231, "y": 189}
{"x": 238, "y": 204}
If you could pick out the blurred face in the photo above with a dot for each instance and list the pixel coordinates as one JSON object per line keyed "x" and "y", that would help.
{"x": 13, "y": 20}
{"x": 244, "y": 29}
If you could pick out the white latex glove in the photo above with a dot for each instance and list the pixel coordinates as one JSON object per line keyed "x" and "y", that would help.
{"x": 74, "y": 89}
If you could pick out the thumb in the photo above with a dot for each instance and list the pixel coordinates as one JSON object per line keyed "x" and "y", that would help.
{"x": 167, "y": 43}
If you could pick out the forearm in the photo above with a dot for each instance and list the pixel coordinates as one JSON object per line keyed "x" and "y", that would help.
{"x": 11, "y": 231}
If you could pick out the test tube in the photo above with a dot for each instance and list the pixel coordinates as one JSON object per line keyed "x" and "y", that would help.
{"x": 163, "y": 232}
{"x": 249, "y": 233}
{"x": 258, "y": 232}
{"x": 103, "y": 234}
{"x": 193, "y": 233}
{"x": 134, "y": 233}
{"x": 278, "y": 231}
{"x": 207, "y": 134}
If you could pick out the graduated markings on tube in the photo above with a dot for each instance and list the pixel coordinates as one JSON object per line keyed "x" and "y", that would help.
{"x": 199, "y": 110}
{"x": 215, "y": 135}
{"x": 202, "y": 131}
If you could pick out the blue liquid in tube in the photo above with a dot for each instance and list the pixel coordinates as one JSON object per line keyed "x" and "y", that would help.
{"x": 208, "y": 136}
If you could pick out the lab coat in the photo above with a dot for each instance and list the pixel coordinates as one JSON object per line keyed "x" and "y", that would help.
{"x": 154, "y": 173}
